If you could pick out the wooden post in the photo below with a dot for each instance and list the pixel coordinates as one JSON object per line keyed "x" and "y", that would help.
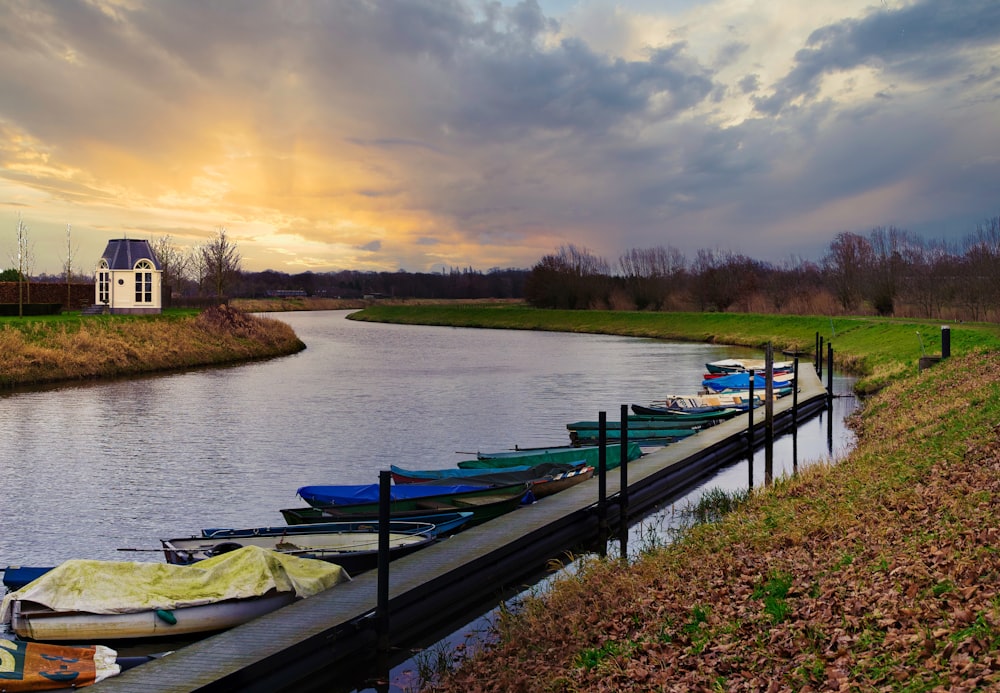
{"x": 382, "y": 608}
{"x": 945, "y": 341}
{"x": 819, "y": 355}
{"x": 623, "y": 491}
{"x": 602, "y": 483}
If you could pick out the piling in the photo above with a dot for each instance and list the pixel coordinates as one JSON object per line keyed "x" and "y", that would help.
{"x": 623, "y": 492}
{"x": 945, "y": 341}
{"x": 382, "y": 590}
{"x": 602, "y": 482}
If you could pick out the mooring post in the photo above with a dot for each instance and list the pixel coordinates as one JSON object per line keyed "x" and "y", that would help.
{"x": 795, "y": 392}
{"x": 602, "y": 483}
{"x": 750, "y": 408}
{"x": 816, "y": 354}
{"x": 945, "y": 341}
{"x": 829, "y": 373}
{"x": 382, "y": 608}
{"x": 623, "y": 491}
{"x": 819, "y": 354}
{"x": 768, "y": 415}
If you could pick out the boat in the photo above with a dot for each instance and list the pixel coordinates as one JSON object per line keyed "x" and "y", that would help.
{"x": 351, "y": 545}
{"x": 711, "y": 401}
{"x": 713, "y": 414}
{"x": 740, "y": 382}
{"x": 543, "y": 480}
{"x": 39, "y": 666}
{"x": 639, "y": 425}
{"x": 83, "y": 600}
{"x": 649, "y": 436}
{"x": 17, "y": 576}
{"x": 745, "y": 365}
{"x": 589, "y": 455}
{"x": 352, "y": 494}
{"x": 484, "y": 477}
{"x": 438, "y": 524}
{"x": 484, "y": 504}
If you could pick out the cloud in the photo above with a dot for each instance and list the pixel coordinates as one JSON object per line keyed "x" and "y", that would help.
{"x": 489, "y": 134}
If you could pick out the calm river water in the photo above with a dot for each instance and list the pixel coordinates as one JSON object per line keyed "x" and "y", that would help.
{"x": 90, "y": 469}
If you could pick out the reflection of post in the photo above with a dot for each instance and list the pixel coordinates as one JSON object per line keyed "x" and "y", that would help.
{"x": 623, "y": 492}
{"x": 602, "y": 483}
{"x": 768, "y": 415}
{"x": 384, "y": 490}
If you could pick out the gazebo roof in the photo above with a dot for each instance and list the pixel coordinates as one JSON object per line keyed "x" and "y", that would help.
{"x": 123, "y": 253}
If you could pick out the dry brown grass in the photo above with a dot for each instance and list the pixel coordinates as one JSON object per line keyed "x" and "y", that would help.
{"x": 879, "y": 573}
{"x": 98, "y": 347}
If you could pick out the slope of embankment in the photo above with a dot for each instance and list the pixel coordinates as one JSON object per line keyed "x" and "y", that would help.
{"x": 75, "y": 347}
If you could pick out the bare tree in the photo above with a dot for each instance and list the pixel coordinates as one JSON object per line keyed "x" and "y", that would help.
{"x": 174, "y": 262}
{"x": 22, "y": 264}
{"x": 220, "y": 260}
{"x": 70, "y": 251}
{"x": 650, "y": 274}
{"x": 847, "y": 264}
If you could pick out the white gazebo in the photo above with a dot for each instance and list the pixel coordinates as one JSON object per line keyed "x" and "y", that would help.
{"x": 129, "y": 278}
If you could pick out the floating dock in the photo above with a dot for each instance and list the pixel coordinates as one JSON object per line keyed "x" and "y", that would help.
{"x": 295, "y": 648}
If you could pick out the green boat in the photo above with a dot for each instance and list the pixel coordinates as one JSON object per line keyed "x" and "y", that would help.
{"x": 560, "y": 454}
{"x": 484, "y": 504}
{"x": 639, "y": 425}
{"x": 589, "y": 436}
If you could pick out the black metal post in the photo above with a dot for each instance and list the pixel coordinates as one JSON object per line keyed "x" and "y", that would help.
{"x": 945, "y": 341}
{"x": 602, "y": 483}
{"x": 750, "y": 380}
{"x": 623, "y": 491}
{"x": 816, "y": 352}
{"x": 382, "y": 608}
{"x": 819, "y": 353}
{"x": 795, "y": 392}
{"x": 768, "y": 415}
{"x": 829, "y": 373}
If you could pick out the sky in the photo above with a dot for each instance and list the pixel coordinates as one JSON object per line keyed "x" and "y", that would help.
{"x": 419, "y": 135}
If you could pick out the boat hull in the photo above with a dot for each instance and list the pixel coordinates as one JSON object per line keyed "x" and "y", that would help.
{"x": 37, "y": 622}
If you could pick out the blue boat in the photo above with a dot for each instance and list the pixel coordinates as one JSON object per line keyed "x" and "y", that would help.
{"x": 352, "y": 494}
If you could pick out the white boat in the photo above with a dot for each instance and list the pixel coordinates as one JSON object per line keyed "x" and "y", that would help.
{"x": 744, "y": 365}
{"x": 88, "y": 600}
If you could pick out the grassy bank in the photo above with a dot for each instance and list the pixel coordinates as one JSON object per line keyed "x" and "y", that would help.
{"x": 877, "y": 349}
{"x": 74, "y": 347}
{"x": 878, "y": 573}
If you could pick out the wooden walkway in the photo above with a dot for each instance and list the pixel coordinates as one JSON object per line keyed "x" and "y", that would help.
{"x": 287, "y": 649}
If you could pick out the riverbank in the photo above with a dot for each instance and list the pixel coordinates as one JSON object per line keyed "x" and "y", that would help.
{"x": 879, "y": 572}
{"x": 73, "y": 347}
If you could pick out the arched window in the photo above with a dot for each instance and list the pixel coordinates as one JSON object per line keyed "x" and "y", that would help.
{"x": 103, "y": 283}
{"x": 144, "y": 281}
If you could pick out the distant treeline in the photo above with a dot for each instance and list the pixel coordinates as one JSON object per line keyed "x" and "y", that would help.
{"x": 889, "y": 272}
{"x": 456, "y": 283}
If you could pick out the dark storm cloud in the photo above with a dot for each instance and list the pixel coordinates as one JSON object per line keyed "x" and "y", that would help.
{"x": 923, "y": 42}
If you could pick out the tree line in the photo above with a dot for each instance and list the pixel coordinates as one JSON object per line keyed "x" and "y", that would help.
{"x": 888, "y": 272}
